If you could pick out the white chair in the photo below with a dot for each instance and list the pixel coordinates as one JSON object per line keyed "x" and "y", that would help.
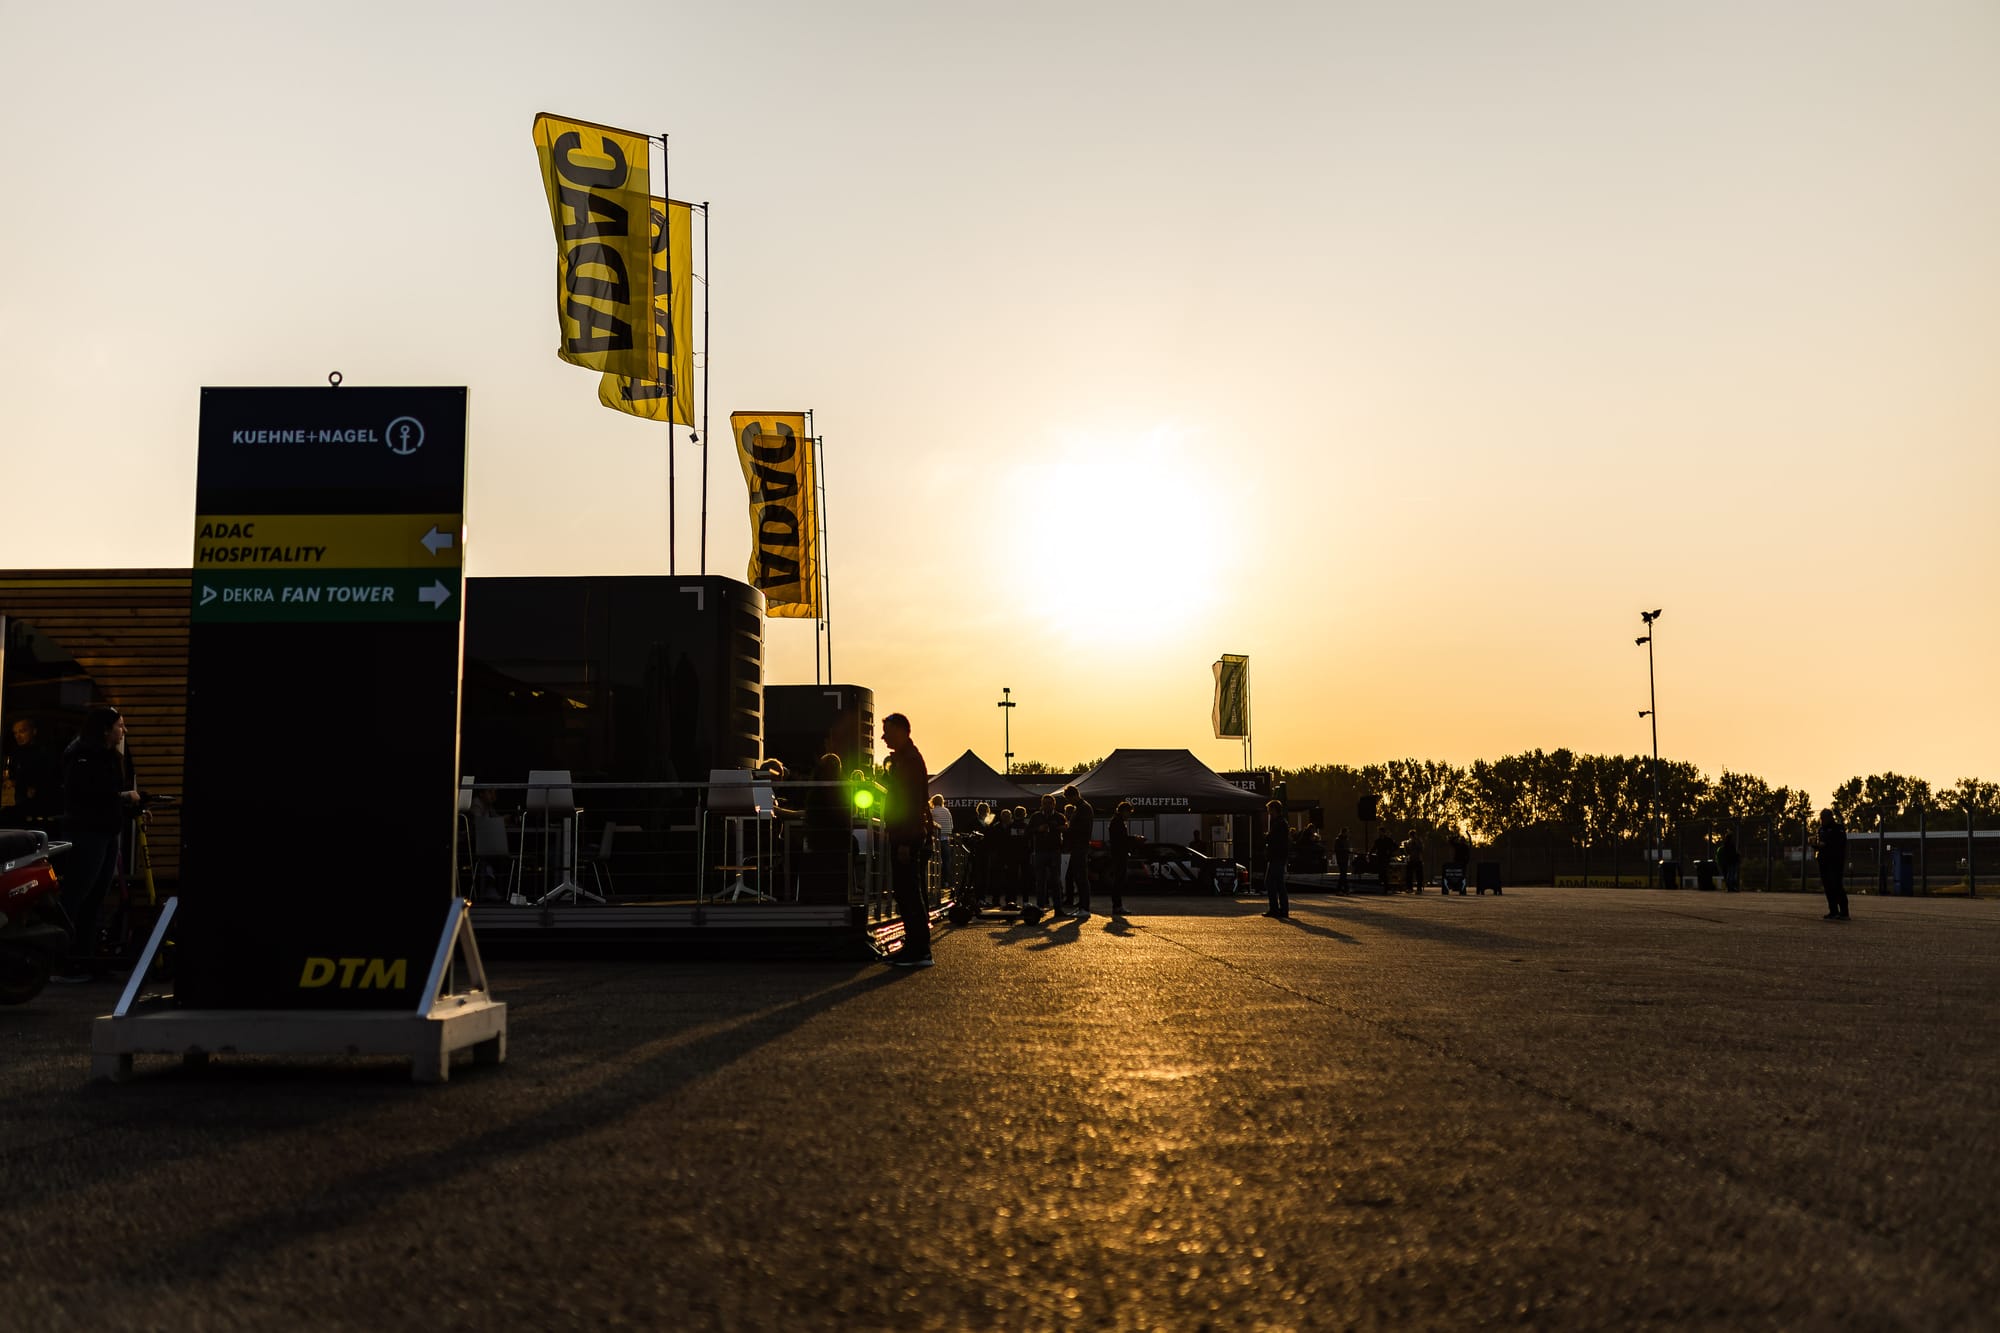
{"x": 599, "y": 864}
{"x": 550, "y": 797}
{"x": 470, "y": 866}
{"x": 489, "y": 848}
{"x": 740, "y": 801}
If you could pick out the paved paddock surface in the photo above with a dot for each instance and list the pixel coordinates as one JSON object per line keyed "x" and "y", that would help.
{"x": 1559, "y": 1108}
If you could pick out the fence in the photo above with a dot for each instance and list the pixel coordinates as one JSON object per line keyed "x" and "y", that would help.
{"x": 1776, "y": 857}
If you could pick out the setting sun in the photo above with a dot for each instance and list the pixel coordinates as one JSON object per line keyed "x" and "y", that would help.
{"x": 1129, "y": 533}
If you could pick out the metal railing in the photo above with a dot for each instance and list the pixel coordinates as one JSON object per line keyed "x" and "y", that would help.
{"x": 723, "y": 845}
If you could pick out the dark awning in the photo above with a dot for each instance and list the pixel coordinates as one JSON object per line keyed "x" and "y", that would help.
{"x": 1169, "y": 780}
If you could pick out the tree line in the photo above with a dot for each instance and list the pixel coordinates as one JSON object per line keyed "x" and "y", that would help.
{"x": 1558, "y": 811}
{"x": 1573, "y": 808}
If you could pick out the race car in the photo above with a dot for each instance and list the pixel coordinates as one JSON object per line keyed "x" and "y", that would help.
{"x": 1169, "y": 867}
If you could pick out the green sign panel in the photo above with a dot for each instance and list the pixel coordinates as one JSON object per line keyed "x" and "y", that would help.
{"x": 274, "y": 596}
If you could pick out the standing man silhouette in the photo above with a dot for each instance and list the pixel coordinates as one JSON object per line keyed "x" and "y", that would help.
{"x": 1277, "y": 852}
{"x": 1077, "y": 843}
{"x": 906, "y": 826}
{"x": 1045, "y": 832}
{"x": 1830, "y": 844}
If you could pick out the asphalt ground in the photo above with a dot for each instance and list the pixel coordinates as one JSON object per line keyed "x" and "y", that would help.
{"x": 1558, "y": 1109}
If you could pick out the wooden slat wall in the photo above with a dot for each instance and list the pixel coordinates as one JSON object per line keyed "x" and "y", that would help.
{"x": 128, "y": 629}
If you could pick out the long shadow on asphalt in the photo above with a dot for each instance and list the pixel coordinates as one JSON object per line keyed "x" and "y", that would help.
{"x": 232, "y": 1102}
{"x": 1069, "y": 931}
{"x": 348, "y": 1201}
{"x": 1429, "y": 928}
{"x": 1309, "y": 928}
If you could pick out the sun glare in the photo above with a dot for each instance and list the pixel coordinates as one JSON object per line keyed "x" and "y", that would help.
{"x": 1128, "y": 539}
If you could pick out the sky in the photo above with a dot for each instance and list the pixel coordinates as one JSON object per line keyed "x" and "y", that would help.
{"x": 1411, "y": 349}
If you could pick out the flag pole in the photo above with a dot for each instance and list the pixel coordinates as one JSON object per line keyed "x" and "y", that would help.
{"x": 706, "y": 444}
{"x": 818, "y": 610}
{"x": 667, "y": 243}
{"x": 825, "y": 574}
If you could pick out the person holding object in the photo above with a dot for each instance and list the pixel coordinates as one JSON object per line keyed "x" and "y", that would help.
{"x": 98, "y": 800}
{"x": 906, "y": 827}
{"x": 1277, "y": 851}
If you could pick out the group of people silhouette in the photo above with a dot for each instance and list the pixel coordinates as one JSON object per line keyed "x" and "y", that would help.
{"x": 1017, "y": 855}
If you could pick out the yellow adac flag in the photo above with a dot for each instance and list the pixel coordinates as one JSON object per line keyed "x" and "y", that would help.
{"x": 777, "y": 463}
{"x": 670, "y": 387}
{"x": 596, "y": 181}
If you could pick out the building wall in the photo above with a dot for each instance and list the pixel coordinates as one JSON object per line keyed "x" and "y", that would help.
{"x": 128, "y": 630}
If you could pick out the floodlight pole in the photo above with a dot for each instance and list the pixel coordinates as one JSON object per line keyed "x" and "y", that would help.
{"x": 1006, "y": 731}
{"x": 1653, "y": 713}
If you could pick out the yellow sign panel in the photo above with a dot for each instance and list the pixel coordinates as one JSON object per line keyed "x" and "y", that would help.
{"x": 327, "y": 541}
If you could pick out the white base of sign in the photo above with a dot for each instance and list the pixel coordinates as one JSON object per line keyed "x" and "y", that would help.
{"x": 445, "y": 1022}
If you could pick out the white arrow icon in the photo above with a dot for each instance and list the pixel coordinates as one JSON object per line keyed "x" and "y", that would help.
{"x": 435, "y": 595}
{"x": 435, "y": 541}
{"x": 207, "y": 594}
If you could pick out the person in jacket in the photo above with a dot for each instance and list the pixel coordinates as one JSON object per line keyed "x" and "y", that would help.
{"x": 1729, "y": 861}
{"x": 1045, "y": 837}
{"x": 829, "y": 837}
{"x": 1076, "y": 841}
{"x": 1118, "y": 847}
{"x": 1277, "y": 852}
{"x": 906, "y": 828}
{"x": 32, "y": 778}
{"x": 1830, "y": 846}
{"x": 941, "y": 822}
{"x": 99, "y": 800}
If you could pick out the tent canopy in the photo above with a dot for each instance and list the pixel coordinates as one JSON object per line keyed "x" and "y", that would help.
{"x": 968, "y": 780}
{"x": 1156, "y": 780}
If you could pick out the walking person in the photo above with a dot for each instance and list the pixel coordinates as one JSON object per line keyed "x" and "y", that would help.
{"x": 1830, "y": 846}
{"x": 1413, "y": 851}
{"x": 1730, "y": 862}
{"x": 1277, "y": 851}
{"x": 1076, "y": 879}
{"x": 1343, "y": 852}
{"x": 906, "y": 828}
{"x": 1045, "y": 834}
{"x": 1118, "y": 845}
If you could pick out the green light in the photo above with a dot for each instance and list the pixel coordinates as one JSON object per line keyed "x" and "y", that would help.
{"x": 864, "y": 799}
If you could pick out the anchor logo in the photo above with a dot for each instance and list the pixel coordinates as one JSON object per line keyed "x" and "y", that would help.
{"x": 406, "y": 436}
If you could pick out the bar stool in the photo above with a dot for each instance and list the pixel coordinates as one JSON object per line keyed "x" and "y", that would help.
{"x": 550, "y": 796}
{"x": 732, "y": 795}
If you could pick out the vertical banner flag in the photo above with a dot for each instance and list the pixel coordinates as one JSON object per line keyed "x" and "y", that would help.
{"x": 595, "y": 178}
{"x": 777, "y": 463}
{"x": 1231, "y": 714}
{"x": 670, "y": 386}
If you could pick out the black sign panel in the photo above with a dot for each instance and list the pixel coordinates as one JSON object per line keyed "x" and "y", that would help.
{"x": 323, "y": 663}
